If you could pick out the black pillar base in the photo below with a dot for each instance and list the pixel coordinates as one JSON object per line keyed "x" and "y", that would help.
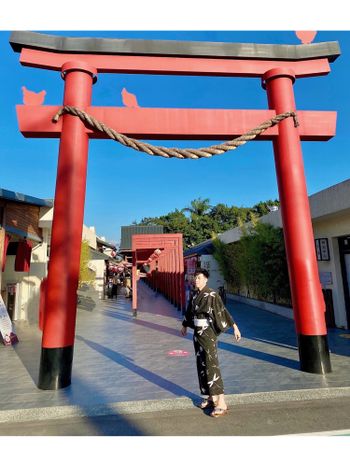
{"x": 314, "y": 354}
{"x": 55, "y": 368}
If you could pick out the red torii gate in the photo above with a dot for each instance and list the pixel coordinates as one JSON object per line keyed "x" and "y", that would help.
{"x": 163, "y": 253}
{"x": 79, "y": 60}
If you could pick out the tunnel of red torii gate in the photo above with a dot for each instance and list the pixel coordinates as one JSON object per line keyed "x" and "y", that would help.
{"x": 162, "y": 257}
{"x": 79, "y": 61}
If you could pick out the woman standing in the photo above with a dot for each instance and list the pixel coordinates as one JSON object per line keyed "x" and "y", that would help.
{"x": 207, "y": 315}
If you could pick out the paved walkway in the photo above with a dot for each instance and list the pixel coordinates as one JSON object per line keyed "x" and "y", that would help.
{"x": 120, "y": 361}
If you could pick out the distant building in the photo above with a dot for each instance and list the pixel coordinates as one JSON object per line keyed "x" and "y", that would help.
{"x": 330, "y": 213}
{"x": 105, "y": 247}
{"x": 25, "y": 239}
{"x": 128, "y": 231}
{"x": 201, "y": 255}
{"x": 101, "y": 254}
{"x": 24, "y": 249}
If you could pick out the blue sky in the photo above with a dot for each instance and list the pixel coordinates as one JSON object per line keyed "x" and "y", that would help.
{"x": 124, "y": 185}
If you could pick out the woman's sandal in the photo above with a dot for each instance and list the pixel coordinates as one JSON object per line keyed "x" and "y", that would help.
{"x": 206, "y": 403}
{"x": 218, "y": 412}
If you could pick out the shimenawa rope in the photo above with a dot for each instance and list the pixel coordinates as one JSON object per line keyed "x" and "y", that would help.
{"x": 174, "y": 152}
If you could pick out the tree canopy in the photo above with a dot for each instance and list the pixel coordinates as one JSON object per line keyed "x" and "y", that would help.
{"x": 204, "y": 221}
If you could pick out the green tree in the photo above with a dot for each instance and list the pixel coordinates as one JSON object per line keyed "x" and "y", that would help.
{"x": 201, "y": 228}
{"x": 86, "y": 275}
{"x": 262, "y": 207}
{"x": 205, "y": 221}
{"x": 199, "y": 207}
{"x": 224, "y": 216}
{"x": 173, "y": 222}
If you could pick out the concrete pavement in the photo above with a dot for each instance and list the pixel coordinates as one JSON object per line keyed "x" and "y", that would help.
{"x": 124, "y": 365}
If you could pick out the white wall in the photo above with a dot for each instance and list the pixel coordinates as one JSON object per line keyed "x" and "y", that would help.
{"x": 98, "y": 266}
{"x": 89, "y": 234}
{"x": 28, "y": 285}
{"x": 215, "y": 277}
{"x": 332, "y": 227}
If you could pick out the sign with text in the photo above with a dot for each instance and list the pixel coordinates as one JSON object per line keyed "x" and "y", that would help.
{"x": 325, "y": 278}
{"x": 8, "y": 335}
{"x": 322, "y": 249}
{"x": 191, "y": 265}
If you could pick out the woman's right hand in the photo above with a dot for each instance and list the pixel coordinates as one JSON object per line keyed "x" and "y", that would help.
{"x": 184, "y": 330}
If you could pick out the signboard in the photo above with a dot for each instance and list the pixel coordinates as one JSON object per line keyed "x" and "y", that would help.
{"x": 325, "y": 278}
{"x": 6, "y": 329}
{"x": 191, "y": 265}
{"x": 322, "y": 249}
{"x": 190, "y": 269}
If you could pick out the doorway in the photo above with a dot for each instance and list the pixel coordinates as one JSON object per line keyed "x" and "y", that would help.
{"x": 344, "y": 252}
{"x": 11, "y": 300}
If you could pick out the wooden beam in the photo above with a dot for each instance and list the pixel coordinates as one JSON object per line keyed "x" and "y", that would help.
{"x": 135, "y": 64}
{"x": 169, "y": 124}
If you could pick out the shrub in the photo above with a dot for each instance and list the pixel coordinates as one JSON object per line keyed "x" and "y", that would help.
{"x": 256, "y": 265}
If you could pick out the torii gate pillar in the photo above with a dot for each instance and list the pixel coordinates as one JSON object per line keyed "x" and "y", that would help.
{"x": 63, "y": 272}
{"x": 307, "y": 299}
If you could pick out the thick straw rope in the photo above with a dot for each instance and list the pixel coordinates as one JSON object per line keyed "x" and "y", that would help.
{"x": 174, "y": 152}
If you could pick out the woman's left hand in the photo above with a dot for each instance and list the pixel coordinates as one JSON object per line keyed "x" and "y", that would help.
{"x": 236, "y": 333}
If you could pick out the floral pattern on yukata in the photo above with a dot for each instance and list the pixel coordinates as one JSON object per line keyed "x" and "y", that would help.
{"x": 207, "y": 304}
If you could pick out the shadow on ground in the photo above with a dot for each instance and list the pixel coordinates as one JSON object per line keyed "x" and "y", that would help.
{"x": 148, "y": 375}
{"x": 256, "y": 354}
{"x": 270, "y": 328}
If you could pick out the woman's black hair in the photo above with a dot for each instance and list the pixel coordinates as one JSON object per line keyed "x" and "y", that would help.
{"x": 202, "y": 271}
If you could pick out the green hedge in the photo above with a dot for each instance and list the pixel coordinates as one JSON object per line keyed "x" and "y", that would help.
{"x": 256, "y": 265}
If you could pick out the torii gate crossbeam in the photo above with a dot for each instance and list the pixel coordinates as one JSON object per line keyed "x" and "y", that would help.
{"x": 79, "y": 61}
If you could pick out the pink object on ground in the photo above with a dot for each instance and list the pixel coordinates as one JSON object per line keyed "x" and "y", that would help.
{"x": 178, "y": 353}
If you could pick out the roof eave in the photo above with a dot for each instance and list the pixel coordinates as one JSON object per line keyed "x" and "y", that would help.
{"x": 229, "y": 50}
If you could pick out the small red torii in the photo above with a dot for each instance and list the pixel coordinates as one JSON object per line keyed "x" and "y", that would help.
{"x": 79, "y": 60}
{"x": 164, "y": 254}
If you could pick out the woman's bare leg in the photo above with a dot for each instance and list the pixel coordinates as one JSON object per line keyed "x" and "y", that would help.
{"x": 220, "y": 401}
